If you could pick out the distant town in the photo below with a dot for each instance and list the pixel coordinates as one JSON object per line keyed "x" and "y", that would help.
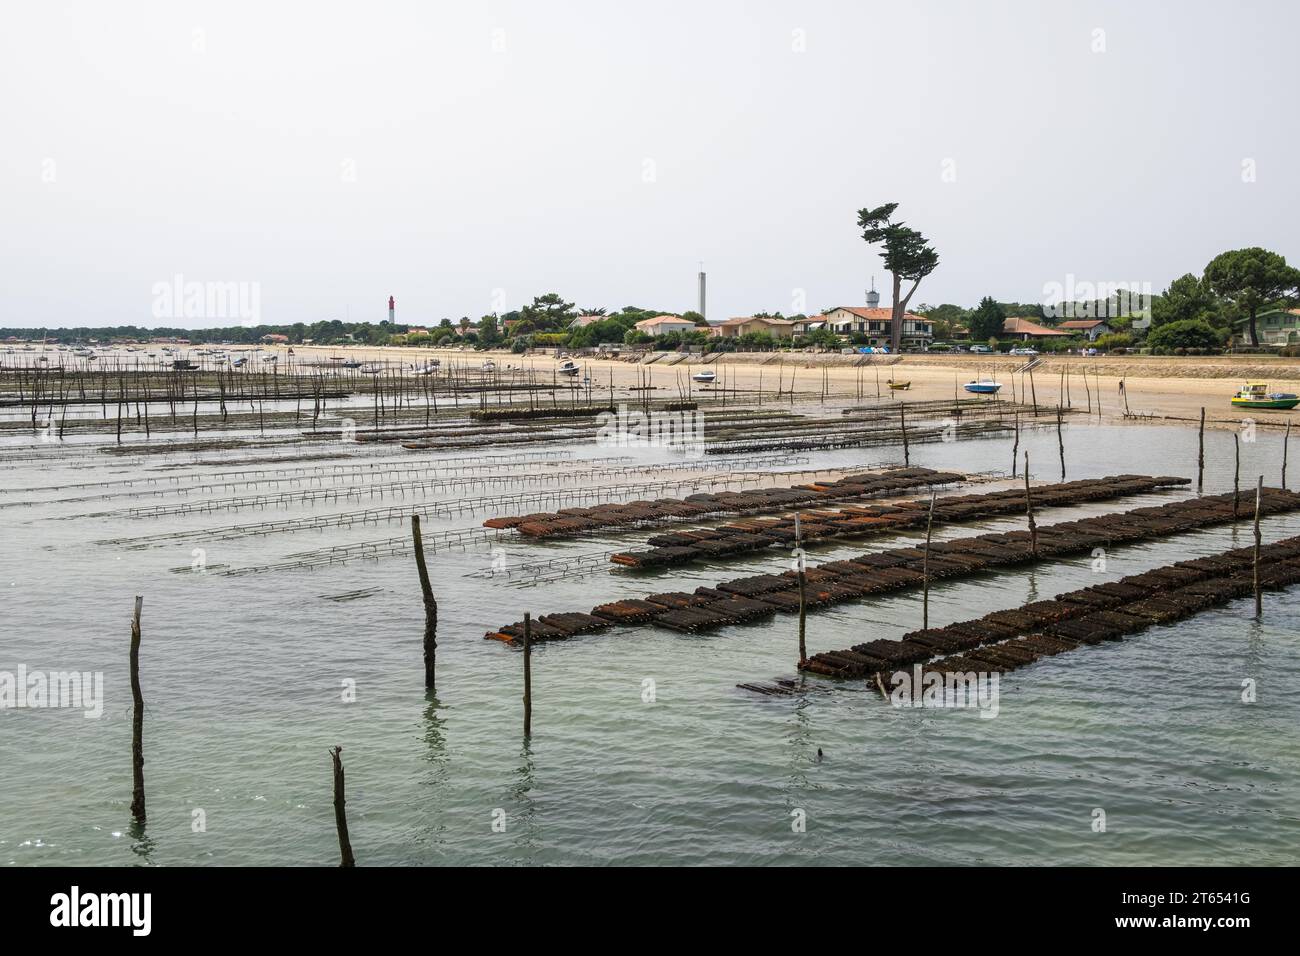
{"x": 1186, "y": 319}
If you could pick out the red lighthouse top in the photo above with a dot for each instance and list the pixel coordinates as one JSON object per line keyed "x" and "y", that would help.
{"x": 391, "y": 302}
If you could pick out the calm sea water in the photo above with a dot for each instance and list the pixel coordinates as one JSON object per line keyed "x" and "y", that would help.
{"x": 245, "y": 679}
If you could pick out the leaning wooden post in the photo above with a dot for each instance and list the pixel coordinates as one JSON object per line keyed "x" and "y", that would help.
{"x": 1015, "y": 448}
{"x": 803, "y": 594}
{"x": 1060, "y": 440}
{"x": 1259, "y": 595}
{"x": 1200, "y": 456}
{"x": 1029, "y": 510}
{"x": 902, "y": 417}
{"x": 1236, "y": 475}
{"x": 925, "y": 569}
{"x": 528, "y": 674}
{"x": 341, "y": 814}
{"x": 137, "y": 719}
{"x": 1286, "y": 440}
{"x": 430, "y": 605}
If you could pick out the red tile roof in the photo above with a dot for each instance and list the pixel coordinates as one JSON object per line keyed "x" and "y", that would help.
{"x": 1015, "y": 326}
{"x": 876, "y": 315}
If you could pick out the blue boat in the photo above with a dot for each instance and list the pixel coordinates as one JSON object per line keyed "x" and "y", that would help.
{"x": 985, "y": 386}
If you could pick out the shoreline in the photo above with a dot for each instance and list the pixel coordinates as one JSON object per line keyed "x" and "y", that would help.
{"x": 1157, "y": 389}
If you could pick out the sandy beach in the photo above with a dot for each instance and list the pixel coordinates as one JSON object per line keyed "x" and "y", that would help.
{"x": 1157, "y": 389}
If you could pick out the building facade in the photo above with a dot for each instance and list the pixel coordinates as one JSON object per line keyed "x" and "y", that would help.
{"x": 877, "y": 325}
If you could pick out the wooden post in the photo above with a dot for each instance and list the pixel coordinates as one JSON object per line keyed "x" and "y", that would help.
{"x": 1259, "y": 595}
{"x": 902, "y": 417}
{"x": 528, "y": 674}
{"x": 1033, "y": 392}
{"x": 1029, "y": 510}
{"x": 430, "y": 605}
{"x": 1060, "y": 440}
{"x": 925, "y": 569}
{"x": 1286, "y": 440}
{"x": 1236, "y": 475}
{"x": 137, "y": 719}
{"x": 341, "y": 814}
{"x": 1200, "y": 456}
{"x": 803, "y": 594}
{"x": 1015, "y": 448}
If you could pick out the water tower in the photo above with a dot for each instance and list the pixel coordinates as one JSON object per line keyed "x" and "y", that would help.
{"x": 873, "y": 297}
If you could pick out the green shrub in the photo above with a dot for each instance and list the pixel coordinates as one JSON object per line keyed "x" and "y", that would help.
{"x": 1113, "y": 340}
{"x": 1185, "y": 334}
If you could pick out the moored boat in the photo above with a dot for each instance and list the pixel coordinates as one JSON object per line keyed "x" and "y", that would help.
{"x": 899, "y": 386}
{"x": 705, "y": 376}
{"x": 983, "y": 386}
{"x": 1257, "y": 395}
{"x": 568, "y": 368}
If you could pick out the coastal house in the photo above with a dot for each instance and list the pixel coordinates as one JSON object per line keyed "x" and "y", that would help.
{"x": 665, "y": 325}
{"x": 877, "y": 324}
{"x": 810, "y": 324}
{"x": 1092, "y": 328}
{"x": 754, "y": 324}
{"x": 1027, "y": 331}
{"x": 582, "y": 321}
{"x": 274, "y": 338}
{"x": 1277, "y": 327}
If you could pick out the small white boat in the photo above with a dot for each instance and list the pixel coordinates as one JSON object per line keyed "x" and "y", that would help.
{"x": 489, "y": 366}
{"x": 568, "y": 368}
{"x": 983, "y": 386}
{"x": 705, "y": 376}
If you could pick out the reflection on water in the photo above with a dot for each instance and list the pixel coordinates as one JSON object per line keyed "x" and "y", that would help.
{"x": 243, "y": 678}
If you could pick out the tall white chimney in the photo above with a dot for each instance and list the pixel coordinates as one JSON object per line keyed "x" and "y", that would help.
{"x": 701, "y": 308}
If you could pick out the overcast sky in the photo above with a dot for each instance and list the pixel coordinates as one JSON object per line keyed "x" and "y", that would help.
{"x": 466, "y": 157}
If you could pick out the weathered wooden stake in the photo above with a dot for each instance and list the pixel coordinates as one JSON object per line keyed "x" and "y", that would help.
{"x": 1029, "y": 510}
{"x": 1015, "y": 448}
{"x": 340, "y": 814}
{"x": 902, "y": 417}
{"x": 137, "y": 719}
{"x": 430, "y": 605}
{"x": 1200, "y": 456}
{"x": 1286, "y": 440}
{"x": 803, "y": 596}
{"x": 1259, "y": 595}
{"x": 528, "y": 674}
{"x": 925, "y": 569}
{"x": 1236, "y": 475}
{"x": 1060, "y": 440}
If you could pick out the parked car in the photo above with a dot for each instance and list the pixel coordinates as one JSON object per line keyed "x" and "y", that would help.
{"x": 980, "y": 348}
{"x": 1024, "y": 351}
